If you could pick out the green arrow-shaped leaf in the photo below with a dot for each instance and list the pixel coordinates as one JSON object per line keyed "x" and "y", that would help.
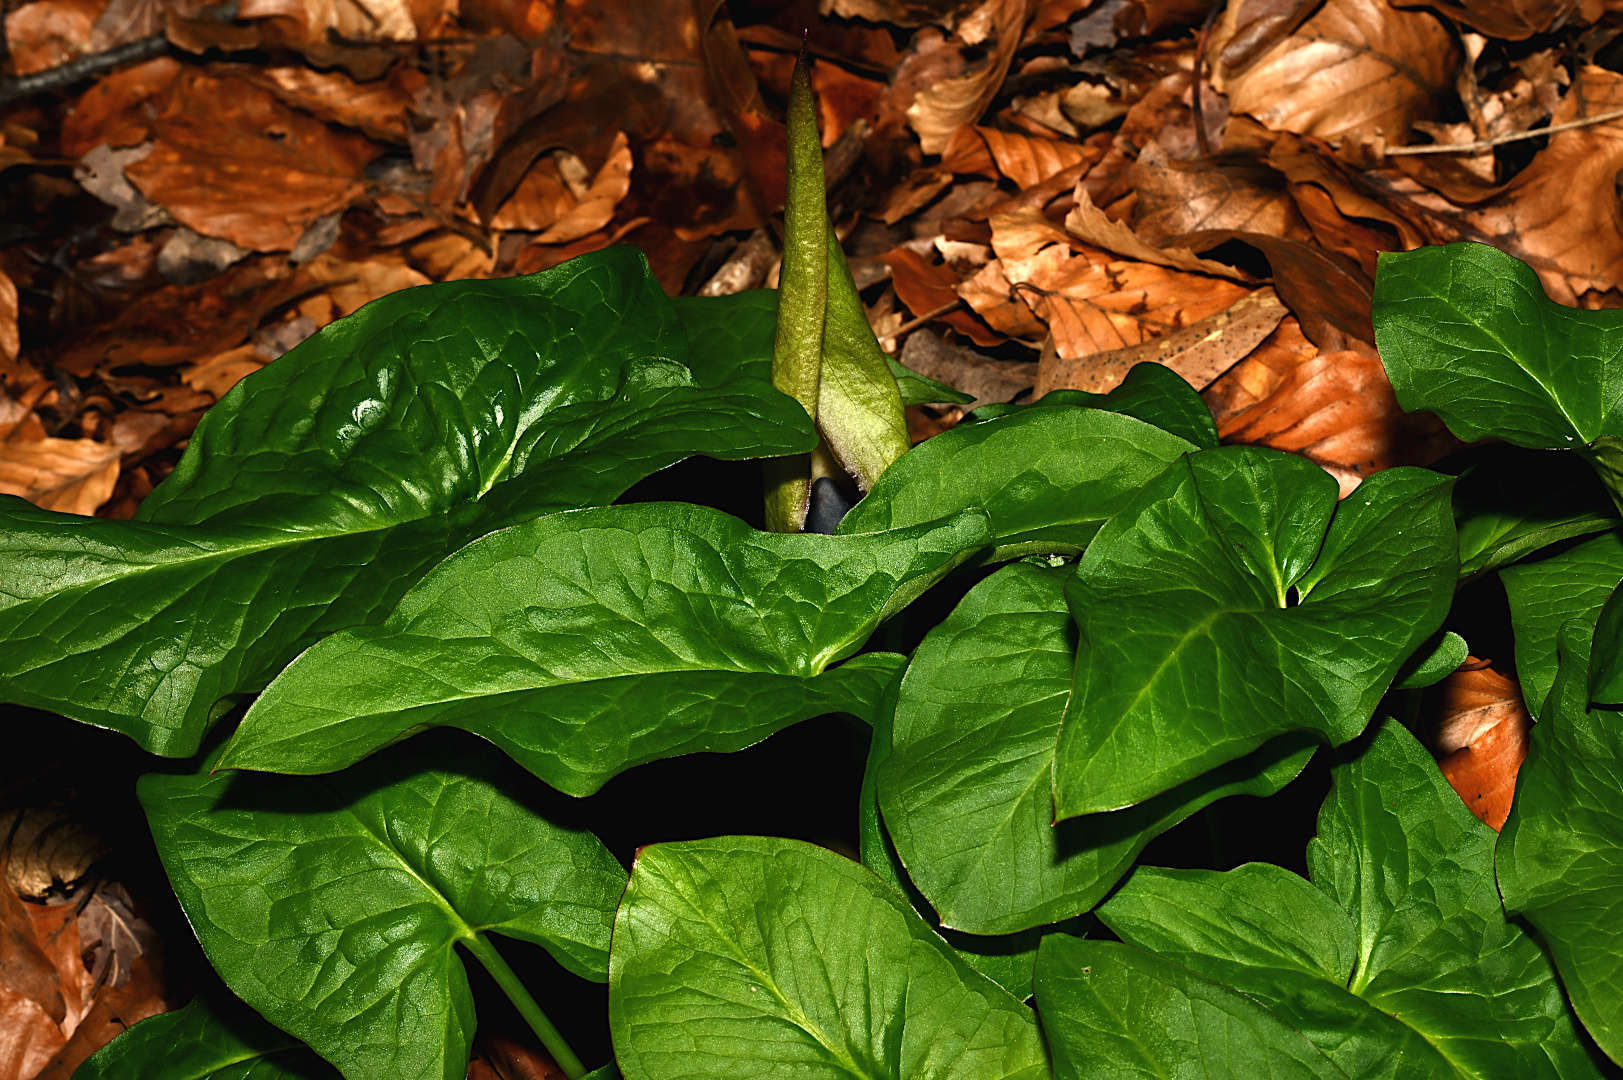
{"x": 1396, "y": 959}
{"x": 1112, "y": 1010}
{"x": 589, "y": 642}
{"x": 216, "y": 1037}
{"x": 1546, "y": 595}
{"x": 966, "y": 790}
{"x": 1560, "y": 856}
{"x": 1466, "y": 332}
{"x": 1232, "y": 601}
{"x": 1050, "y": 477}
{"x": 743, "y": 956}
{"x": 332, "y": 905}
{"x": 317, "y": 491}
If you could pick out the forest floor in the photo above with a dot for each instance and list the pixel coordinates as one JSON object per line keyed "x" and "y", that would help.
{"x": 1034, "y": 194}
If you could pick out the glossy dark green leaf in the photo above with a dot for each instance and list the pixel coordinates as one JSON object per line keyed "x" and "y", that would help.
{"x": 1560, "y": 856}
{"x": 332, "y": 904}
{"x": 215, "y": 1037}
{"x": 589, "y": 642}
{"x": 317, "y": 491}
{"x": 1396, "y": 959}
{"x": 1606, "y": 665}
{"x": 1152, "y": 392}
{"x": 1110, "y": 1010}
{"x": 752, "y": 956}
{"x": 1429, "y": 666}
{"x": 966, "y": 786}
{"x": 1466, "y": 332}
{"x": 1232, "y": 601}
{"x": 1547, "y": 594}
{"x": 729, "y": 337}
{"x": 1049, "y": 477}
{"x": 1510, "y": 502}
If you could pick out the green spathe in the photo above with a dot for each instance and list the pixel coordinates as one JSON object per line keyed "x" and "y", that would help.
{"x": 1396, "y": 959}
{"x": 1560, "y": 856}
{"x": 332, "y": 905}
{"x": 1231, "y": 601}
{"x": 747, "y": 956}
{"x": 589, "y": 642}
{"x": 323, "y": 486}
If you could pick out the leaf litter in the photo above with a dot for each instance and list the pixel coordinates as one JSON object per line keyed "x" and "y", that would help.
{"x": 1033, "y": 195}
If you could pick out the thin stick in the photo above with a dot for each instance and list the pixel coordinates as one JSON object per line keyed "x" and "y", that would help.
{"x": 81, "y": 68}
{"x": 549, "y": 1035}
{"x": 1501, "y": 140}
{"x": 926, "y": 317}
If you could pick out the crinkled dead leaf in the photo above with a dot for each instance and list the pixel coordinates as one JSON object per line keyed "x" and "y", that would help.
{"x": 1199, "y": 352}
{"x": 1559, "y": 214}
{"x": 991, "y": 296}
{"x": 596, "y": 207}
{"x": 46, "y": 848}
{"x": 380, "y": 108}
{"x": 10, "y": 342}
{"x": 966, "y": 370}
{"x": 49, "y": 32}
{"x": 927, "y": 287}
{"x": 1481, "y": 736}
{"x": 1177, "y": 198}
{"x": 217, "y": 140}
{"x": 946, "y": 13}
{"x": 70, "y": 476}
{"x": 1358, "y": 68}
{"x": 996, "y": 25}
{"x": 110, "y": 113}
{"x": 1090, "y": 224}
{"x": 1029, "y": 160}
{"x": 1338, "y": 410}
{"x": 1261, "y": 372}
{"x": 311, "y": 21}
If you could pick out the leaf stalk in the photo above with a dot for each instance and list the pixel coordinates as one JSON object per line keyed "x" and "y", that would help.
{"x": 551, "y": 1038}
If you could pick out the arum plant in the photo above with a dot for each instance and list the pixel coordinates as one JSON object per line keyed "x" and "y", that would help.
{"x": 824, "y": 354}
{"x": 398, "y": 630}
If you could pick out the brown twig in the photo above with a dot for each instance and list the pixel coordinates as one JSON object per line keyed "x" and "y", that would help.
{"x": 1501, "y": 140}
{"x": 81, "y": 68}
{"x": 928, "y": 316}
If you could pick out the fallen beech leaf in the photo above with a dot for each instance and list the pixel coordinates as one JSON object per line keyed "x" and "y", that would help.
{"x": 1559, "y": 215}
{"x": 991, "y": 296}
{"x": 49, "y": 32}
{"x": 110, "y": 111}
{"x": 70, "y": 476}
{"x": 925, "y": 287}
{"x": 1177, "y": 198}
{"x": 966, "y": 370}
{"x": 1199, "y": 352}
{"x": 596, "y": 208}
{"x": 540, "y": 199}
{"x": 1261, "y": 372}
{"x": 56, "y": 928}
{"x": 945, "y": 13}
{"x": 1256, "y": 25}
{"x": 216, "y": 142}
{"x": 28, "y": 1036}
{"x": 218, "y": 374}
{"x": 1028, "y": 160}
{"x": 1094, "y": 304}
{"x": 1359, "y": 68}
{"x": 354, "y": 284}
{"x": 450, "y": 256}
{"x": 1088, "y": 223}
{"x": 1339, "y": 411}
{"x": 47, "y": 847}
{"x": 937, "y": 111}
{"x": 112, "y": 1011}
{"x": 110, "y": 928}
{"x": 843, "y": 98}
{"x": 10, "y": 342}
{"x": 1481, "y": 736}
{"x": 25, "y": 970}
{"x": 379, "y": 108}
{"x": 353, "y": 20}
{"x": 1514, "y": 20}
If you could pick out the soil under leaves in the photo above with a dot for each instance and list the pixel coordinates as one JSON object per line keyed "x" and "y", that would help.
{"x": 1034, "y": 194}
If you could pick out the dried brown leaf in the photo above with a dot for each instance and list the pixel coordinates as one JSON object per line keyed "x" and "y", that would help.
{"x": 926, "y": 287}
{"x": 1177, "y": 198}
{"x": 1338, "y": 410}
{"x": 1199, "y": 352}
{"x": 937, "y": 111}
{"x": 110, "y": 113}
{"x": 220, "y": 137}
{"x": 1090, "y": 224}
{"x": 47, "y": 847}
{"x": 49, "y": 32}
{"x": 966, "y": 370}
{"x": 1261, "y": 372}
{"x": 1028, "y": 160}
{"x": 1481, "y": 735}
{"x": 70, "y": 476}
{"x": 1359, "y": 68}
